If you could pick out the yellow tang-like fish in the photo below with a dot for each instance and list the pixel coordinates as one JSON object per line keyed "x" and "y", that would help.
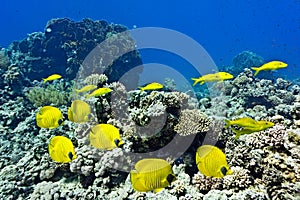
{"x": 151, "y": 174}
{"x": 273, "y": 65}
{"x": 61, "y": 149}
{"x": 52, "y": 77}
{"x": 152, "y": 86}
{"x": 99, "y": 92}
{"x": 49, "y": 117}
{"x": 79, "y": 111}
{"x": 211, "y": 161}
{"x": 86, "y": 88}
{"x": 219, "y": 76}
{"x": 260, "y": 126}
{"x": 105, "y": 136}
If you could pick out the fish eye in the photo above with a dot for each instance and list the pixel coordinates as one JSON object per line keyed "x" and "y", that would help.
{"x": 170, "y": 178}
{"x": 70, "y": 155}
{"x": 117, "y": 142}
{"x": 224, "y": 170}
{"x": 60, "y": 121}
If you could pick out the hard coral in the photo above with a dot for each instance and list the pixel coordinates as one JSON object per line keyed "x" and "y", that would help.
{"x": 191, "y": 122}
{"x": 55, "y": 94}
{"x": 96, "y": 79}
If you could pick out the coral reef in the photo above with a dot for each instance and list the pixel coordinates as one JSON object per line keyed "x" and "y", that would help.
{"x": 64, "y": 45}
{"x": 265, "y": 164}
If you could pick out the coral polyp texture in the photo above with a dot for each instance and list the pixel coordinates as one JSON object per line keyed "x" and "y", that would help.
{"x": 264, "y": 164}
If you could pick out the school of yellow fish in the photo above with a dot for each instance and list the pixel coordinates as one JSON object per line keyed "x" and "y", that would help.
{"x": 150, "y": 174}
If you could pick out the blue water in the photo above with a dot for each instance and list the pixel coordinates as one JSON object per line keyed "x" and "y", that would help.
{"x": 223, "y": 27}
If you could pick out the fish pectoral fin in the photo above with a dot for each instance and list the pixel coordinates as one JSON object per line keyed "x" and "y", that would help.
{"x": 238, "y": 133}
{"x": 157, "y": 190}
{"x": 195, "y": 81}
{"x": 136, "y": 181}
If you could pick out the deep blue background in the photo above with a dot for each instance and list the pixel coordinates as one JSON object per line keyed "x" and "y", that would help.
{"x": 224, "y": 27}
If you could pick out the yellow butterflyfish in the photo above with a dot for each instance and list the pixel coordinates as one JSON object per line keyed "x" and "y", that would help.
{"x": 61, "y": 149}
{"x": 49, "y": 117}
{"x": 151, "y": 174}
{"x": 79, "y": 111}
{"x": 105, "y": 136}
{"x": 211, "y": 161}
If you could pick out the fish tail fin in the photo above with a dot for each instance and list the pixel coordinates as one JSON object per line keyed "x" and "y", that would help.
{"x": 77, "y": 91}
{"x": 227, "y": 123}
{"x": 256, "y": 70}
{"x": 141, "y": 89}
{"x": 45, "y": 80}
{"x": 196, "y": 80}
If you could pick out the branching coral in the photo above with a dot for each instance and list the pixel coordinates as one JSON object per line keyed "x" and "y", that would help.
{"x": 205, "y": 184}
{"x": 53, "y": 94}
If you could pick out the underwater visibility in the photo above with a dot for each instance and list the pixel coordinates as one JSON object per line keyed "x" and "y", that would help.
{"x": 86, "y": 114}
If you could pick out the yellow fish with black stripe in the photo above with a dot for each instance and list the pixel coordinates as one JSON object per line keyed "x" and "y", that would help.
{"x": 211, "y": 161}
{"x": 105, "y": 136}
{"x": 79, "y": 111}
{"x": 61, "y": 149}
{"x": 151, "y": 174}
{"x": 49, "y": 117}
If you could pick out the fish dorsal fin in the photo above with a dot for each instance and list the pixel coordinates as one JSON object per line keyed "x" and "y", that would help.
{"x": 45, "y": 108}
{"x": 151, "y": 164}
